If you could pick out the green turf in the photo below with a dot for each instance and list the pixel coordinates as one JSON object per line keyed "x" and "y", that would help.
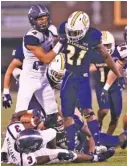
{"x": 120, "y": 157}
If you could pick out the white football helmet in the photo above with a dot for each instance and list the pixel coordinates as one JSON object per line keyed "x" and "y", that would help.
{"x": 108, "y": 41}
{"x": 77, "y": 25}
{"x": 56, "y": 68}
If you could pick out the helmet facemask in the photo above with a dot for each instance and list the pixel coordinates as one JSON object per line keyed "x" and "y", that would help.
{"x": 110, "y": 48}
{"x": 74, "y": 35}
{"x": 40, "y": 25}
{"x": 55, "y": 76}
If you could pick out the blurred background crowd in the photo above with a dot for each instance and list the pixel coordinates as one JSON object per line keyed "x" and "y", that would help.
{"x": 109, "y": 15}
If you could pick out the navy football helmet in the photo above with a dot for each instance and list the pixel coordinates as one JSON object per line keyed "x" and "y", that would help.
{"x": 38, "y": 11}
{"x": 29, "y": 140}
{"x": 125, "y": 34}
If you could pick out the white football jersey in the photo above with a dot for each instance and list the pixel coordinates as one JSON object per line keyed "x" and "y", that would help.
{"x": 122, "y": 49}
{"x": 31, "y": 63}
{"x": 14, "y": 157}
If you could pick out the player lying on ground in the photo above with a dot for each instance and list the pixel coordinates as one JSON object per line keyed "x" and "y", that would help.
{"x": 83, "y": 140}
{"x": 27, "y": 146}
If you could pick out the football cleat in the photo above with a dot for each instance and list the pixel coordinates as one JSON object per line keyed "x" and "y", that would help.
{"x": 123, "y": 140}
{"x": 106, "y": 155}
{"x": 4, "y": 158}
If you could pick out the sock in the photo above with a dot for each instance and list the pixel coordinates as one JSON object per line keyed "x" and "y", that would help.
{"x": 108, "y": 140}
{"x": 94, "y": 129}
{"x": 70, "y": 135}
{"x": 95, "y": 158}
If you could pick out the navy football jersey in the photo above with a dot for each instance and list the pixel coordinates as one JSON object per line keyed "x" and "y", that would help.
{"x": 102, "y": 69}
{"x": 78, "y": 54}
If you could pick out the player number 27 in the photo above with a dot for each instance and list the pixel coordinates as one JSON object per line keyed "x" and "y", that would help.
{"x": 72, "y": 53}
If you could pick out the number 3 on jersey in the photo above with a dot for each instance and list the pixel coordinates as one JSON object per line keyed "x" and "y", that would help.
{"x": 72, "y": 52}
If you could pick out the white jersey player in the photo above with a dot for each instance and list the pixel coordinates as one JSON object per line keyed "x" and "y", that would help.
{"x": 14, "y": 143}
{"x": 33, "y": 79}
{"x": 25, "y": 147}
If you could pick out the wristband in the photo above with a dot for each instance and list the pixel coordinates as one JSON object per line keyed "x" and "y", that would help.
{"x": 57, "y": 47}
{"x": 6, "y": 91}
{"x": 30, "y": 111}
{"x": 106, "y": 87}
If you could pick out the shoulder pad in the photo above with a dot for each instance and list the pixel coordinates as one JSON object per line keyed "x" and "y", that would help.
{"x": 62, "y": 28}
{"x": 35, "y": 33}
{"x": 53, "y": 29}
{"x": 94, "y": 33}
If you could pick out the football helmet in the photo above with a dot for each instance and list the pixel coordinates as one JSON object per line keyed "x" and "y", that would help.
{"x": 77, "y": 25}
{"x": 38, "y": 11}
{"x": 56, "y": 68}
{"x": 125, "y": 34}
{"x": 108, "y": 41}
{"x": 29, "y": 140}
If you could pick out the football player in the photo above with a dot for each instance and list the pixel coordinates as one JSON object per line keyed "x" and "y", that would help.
{"x": 122, "y": 49}
{"x": 114, "y": 102}
{"x": 38, "y": 53}
{"x": 54, "y": 74}
{"x": 83, "y": 141}
{"x": 27, "y": 146}
{"x": 81, "y": 44}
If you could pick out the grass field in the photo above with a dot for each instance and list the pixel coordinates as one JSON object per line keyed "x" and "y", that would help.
{"x": 120, "y": 157}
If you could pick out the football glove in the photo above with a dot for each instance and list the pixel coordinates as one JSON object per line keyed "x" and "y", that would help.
{"x": 104, "y": 95}
{"x": 121, "y": 82}
{"x": 7, "y": 100}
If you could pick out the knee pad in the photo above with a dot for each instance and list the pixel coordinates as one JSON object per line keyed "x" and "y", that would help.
{"x": 51, "y": 120}
{"x": 89, "y": 114}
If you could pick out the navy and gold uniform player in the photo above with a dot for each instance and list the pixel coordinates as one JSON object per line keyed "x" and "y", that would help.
{"x": 82, "y": 41}
{"x": 114, "y": 101}
{"x": 120, "y": 63}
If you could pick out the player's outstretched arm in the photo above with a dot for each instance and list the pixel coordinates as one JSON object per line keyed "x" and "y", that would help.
{"x": 8, "y": 75}
{"x": 44, "y": 57}
{"x": 108, "y": 59}
{"x": 7, "y": 100}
